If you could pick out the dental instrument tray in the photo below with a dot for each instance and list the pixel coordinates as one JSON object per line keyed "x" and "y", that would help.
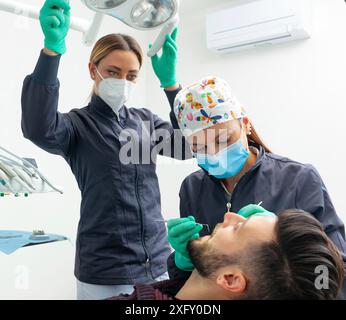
{"x": 21, "y": 176}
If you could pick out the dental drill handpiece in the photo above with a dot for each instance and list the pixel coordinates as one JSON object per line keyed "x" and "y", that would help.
{"x": 30, "y": 165}
{"x": 5, "y": 182}
{"x": 13, "y": 175}
{"x": 24, "y": 176}
{"x": 17, "y": 164}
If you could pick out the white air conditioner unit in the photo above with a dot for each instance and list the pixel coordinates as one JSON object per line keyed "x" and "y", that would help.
{"x": 258, "y": 23}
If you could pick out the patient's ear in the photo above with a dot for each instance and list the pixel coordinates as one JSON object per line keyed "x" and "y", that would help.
{"x": 232, "y": 282}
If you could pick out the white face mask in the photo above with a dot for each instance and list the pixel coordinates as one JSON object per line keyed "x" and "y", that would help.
{"x": 115, "y": 92}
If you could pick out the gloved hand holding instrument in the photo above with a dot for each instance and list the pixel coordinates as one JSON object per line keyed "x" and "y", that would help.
{"x": 182, "y": 230}
{"x": 55, "y": 23}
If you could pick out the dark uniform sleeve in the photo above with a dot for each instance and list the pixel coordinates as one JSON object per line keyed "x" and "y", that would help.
{"x": 171, "y": 97}
{"x": 41, "y": 121}
{"x": 174, "y": 145}
{"x": 312, "y": 196}
{"x": 173, "y": 271}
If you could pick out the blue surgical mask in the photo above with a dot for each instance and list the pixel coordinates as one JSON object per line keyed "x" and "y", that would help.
{"x": 225, "y": 164}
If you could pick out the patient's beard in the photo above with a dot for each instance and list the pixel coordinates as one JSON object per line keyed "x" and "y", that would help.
{"x": 198, "y": 252}
{"x": 206, "y": 259}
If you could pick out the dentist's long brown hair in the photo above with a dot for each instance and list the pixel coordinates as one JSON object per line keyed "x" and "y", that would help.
{"x": 254, "y": 138}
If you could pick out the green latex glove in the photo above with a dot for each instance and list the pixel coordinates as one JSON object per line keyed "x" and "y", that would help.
{"x": 165, "y": 65}
{"x": 180, "y": 232}
{"x": 182, "y": 262}
{"x": 55, "y": 23}
{"x": 253, "y": 209}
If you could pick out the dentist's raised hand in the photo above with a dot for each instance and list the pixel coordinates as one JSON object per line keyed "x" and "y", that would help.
{"x": 180, "y": 232}
{"x": 55, "y": 23}
{"x": 165, "y": 65}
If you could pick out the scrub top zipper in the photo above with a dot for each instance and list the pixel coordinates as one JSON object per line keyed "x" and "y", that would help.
{"x": 147, "y": 256}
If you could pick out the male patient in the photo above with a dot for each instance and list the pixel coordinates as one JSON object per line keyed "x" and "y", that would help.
{"x": 288, "y": 256}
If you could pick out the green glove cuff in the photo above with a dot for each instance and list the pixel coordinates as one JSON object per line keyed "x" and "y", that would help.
{"x": 182, "y": 262}
{"x": 169, "y": 83}
{"x": 58, "y": 47}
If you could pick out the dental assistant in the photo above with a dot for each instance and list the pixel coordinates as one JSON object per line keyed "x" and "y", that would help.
{"x": 119, "y": 242}
{"x": 237, "y": 169}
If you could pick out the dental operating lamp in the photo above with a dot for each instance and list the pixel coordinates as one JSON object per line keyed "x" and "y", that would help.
{"x": 142, "y": 15}
{"x": 138, "y": 14}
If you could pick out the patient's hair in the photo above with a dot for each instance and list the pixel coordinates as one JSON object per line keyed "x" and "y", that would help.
{"x": 289, "y": 267}
{"x": 286, "y": 267}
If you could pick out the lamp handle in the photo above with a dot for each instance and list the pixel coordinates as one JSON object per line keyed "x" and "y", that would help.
{"x": 161, "y": 39}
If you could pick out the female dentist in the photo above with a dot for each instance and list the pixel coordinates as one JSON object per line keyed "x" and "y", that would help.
{"x": 237, "y": 169}
{"x": 118, "y": 241}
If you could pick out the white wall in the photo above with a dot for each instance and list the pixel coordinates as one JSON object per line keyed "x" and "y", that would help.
{"x": 294, "y": 93}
